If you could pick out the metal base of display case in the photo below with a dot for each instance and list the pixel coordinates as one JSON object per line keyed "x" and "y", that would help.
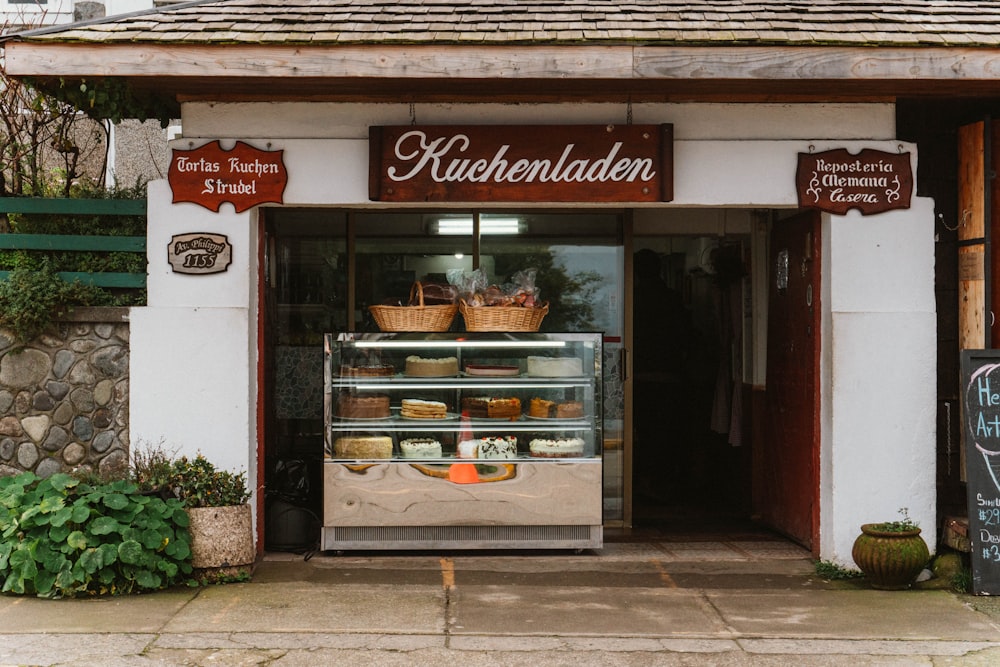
{"x": 462, "y": 537}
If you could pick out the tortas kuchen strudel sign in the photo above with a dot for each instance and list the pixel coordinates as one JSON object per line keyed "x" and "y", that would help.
{"x": 521, "y": 163}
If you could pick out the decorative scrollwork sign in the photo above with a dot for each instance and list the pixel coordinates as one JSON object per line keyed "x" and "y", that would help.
{"x": 872, "y": 181}
{"x": 199, "y": 253}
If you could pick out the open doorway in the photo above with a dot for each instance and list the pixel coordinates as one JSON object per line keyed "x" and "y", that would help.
{"x": 691, "y": 336}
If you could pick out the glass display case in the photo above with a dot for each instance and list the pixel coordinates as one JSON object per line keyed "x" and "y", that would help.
{"x": 462, "y": 440}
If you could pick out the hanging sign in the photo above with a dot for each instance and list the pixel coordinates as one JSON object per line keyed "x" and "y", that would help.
{"x": 521, "y": 163}
{"x": 981, "y": 417}
{"x": 199, "y": 253}
{"x": 871, "y": 181}
{"x": 244, "y": 176}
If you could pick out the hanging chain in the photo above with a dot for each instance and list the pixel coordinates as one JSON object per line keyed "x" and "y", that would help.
{"x": 413, "y": 114}
{"x": 628, "y": 112}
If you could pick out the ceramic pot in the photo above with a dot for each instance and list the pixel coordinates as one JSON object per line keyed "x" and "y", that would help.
{"x": 890, "y": 560}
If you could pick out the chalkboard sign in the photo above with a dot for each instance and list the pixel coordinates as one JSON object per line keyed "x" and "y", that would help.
{"x": 981, "y": 416}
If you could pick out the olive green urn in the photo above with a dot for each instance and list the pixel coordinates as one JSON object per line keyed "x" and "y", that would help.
{"x": 890, "y": 559}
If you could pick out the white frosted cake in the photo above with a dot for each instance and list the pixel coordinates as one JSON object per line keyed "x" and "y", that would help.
{"x": 504, "y": 447}
{"x": 557, "y": 448}
{"x": 420, "y": 448}
{"x": 555, "y": 367}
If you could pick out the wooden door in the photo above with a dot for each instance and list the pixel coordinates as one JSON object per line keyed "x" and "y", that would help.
{"x": 786, "y": 457}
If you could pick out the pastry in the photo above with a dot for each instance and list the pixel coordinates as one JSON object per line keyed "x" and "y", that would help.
{"x": 487, "y": 370}
{"x": 554, "y": 367}
{"x": 556, "y": 448}
{"x": 541, "y": 408}
{"x": 373, "y": 370}
{"x": 503, "y": 447}
{"x": 369, "y": 406}
{"x": 544, "y": 409}
{"x": 421, "y": 367}
{"x": 363, "y": 447}
{"x": 415, "y": 408}
{"x": 420, "y": 448}
{"x": 493, "y": 408}
{"x": 569, "y": 410}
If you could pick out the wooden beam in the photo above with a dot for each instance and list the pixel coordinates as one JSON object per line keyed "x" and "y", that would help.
{"x": 479, "y": 63}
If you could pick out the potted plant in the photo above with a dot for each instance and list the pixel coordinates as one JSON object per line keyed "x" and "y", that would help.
{"x": 891, "y": 553}
{"x": 216, "y": 502}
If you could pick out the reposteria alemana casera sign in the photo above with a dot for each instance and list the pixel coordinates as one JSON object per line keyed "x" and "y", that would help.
{"x": 521, "y": 163}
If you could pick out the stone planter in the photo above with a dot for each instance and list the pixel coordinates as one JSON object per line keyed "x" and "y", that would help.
{"x": 891, "y": 560}
{"x": 222, "y": 539}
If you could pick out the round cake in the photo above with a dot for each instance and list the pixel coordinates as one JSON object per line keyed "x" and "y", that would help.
{"x": 555, "y": 367}
{"x": 503, "y": 447}
{"x": 491, "y": 407}
{"x": 544, "y": 409}
{"x": 558, "y": 448}
{"x": 430, "y": 368}
{"x": 363, "y": 447}
{"x": 420, "y": 448}
{"x": 373, "y": 370}
{"x": 487, "y": 370}
{"x": 416, "y": 408}
{"x": 353, "y": 406}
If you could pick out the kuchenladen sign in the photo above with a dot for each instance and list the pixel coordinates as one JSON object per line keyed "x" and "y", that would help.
{"x": 519, "y": 163}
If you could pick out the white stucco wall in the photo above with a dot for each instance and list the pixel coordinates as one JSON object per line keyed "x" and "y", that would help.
{"x": 194, "y": 347}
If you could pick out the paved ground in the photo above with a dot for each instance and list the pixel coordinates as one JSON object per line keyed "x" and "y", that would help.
{"x": 748, "y": 602}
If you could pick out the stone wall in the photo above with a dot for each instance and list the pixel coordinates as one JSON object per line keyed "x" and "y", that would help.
{"x": 64, "y": 396}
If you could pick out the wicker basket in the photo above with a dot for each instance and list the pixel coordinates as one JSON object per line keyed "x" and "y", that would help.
{"x": 502, "y": 318}
{"x": 414, "y": 318}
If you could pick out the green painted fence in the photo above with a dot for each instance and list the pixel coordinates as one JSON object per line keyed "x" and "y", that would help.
{"x": 136, "y": 244}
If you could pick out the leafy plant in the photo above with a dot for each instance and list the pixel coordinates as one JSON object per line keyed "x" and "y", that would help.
{"x": 903, "y": 525}
{"x": 33, "y": 297}
{"x": 60, "y": 536}
{"x": 194, "y": 481}
{"x": 832, "y": 572}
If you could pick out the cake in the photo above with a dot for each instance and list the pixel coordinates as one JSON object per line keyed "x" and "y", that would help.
{"x": 468, "y": 449}
{"x": 371, "y": 370}
{"x": 569, "y": 410}
{"x": 420, "y": 448}
{"x": 353, "y": 406}
{"x": 539, "y": 407}
{"x": 487, "y": 370}
{"x": 493, "y": 408}
{"x": 363, "y": 447}
{"x": 421, "y": 367}
{"x": 415, "y": 408}
{"x": 554, "y": 367}
{"x": 503, "y": 447}
{"x": 544, "y": 409}
{"x": 556, "y": 448}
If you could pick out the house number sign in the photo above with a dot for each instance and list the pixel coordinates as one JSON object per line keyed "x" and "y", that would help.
{"x": 199, "y": 253}
{"x": 521, "y": 163}
{"x": 871, "y": 181}
{"x": 244, "y": 176}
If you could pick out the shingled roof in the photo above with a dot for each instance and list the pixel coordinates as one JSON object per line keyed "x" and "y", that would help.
{"x": 747, "y": 22}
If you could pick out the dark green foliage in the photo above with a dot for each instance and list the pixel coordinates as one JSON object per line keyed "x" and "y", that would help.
{"x": 34, "y": 296}
{"x": 902, "y": 525}
{"x": 113, "y": 99}
{"x": 832, "y": 572}
{"x": 195, "y": 482}
{"x": 60, "y": 537}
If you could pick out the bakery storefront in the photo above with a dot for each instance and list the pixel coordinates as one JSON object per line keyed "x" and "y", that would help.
{"x": 724, "y": 288}
{"x": 679, "y": 274}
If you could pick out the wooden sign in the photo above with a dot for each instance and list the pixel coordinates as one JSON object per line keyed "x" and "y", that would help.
{"x": 244, "y": 176}
{"x": 981, "y": 417}
{"x": 872, "y": 181}
{"x": 199, "y": 253}
{"x": 521, "y": 163}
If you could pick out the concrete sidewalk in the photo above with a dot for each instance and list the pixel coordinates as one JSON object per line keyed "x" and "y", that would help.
{"x": 657, "y": 603}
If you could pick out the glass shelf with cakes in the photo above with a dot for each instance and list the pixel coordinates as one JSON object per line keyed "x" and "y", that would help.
{"x": 462, "y": 440}
{"x": 442, "y": 397}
